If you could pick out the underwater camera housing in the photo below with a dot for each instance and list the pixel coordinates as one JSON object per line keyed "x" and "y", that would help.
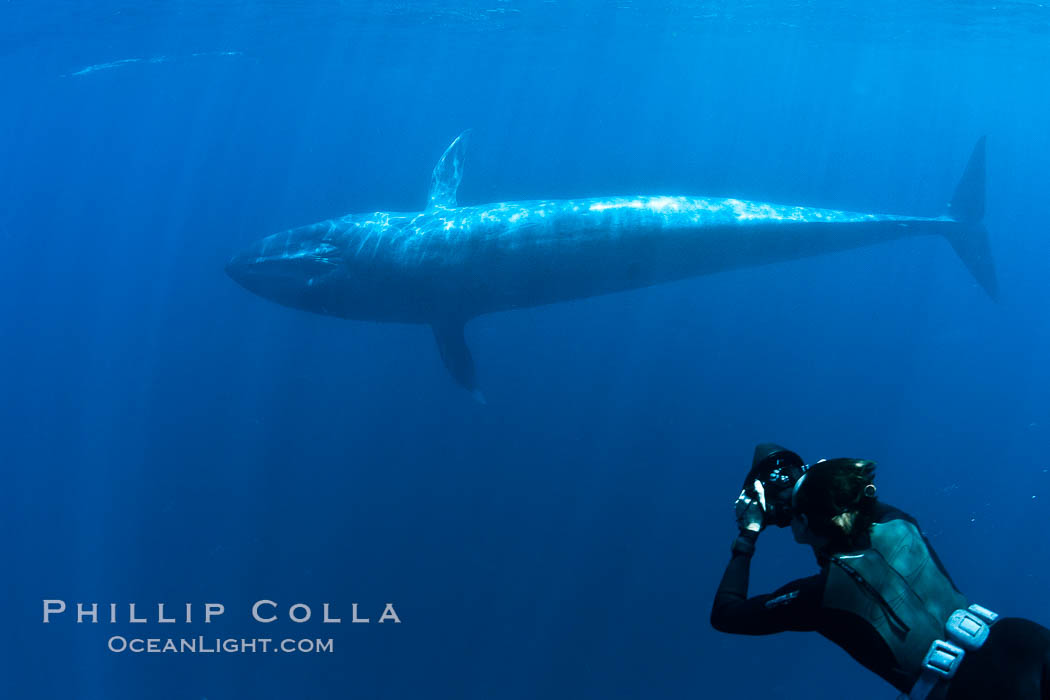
{"x": 777, "y": 468}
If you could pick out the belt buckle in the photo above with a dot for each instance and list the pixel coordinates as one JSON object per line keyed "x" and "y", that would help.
{"x": 967, "y": 630}
{"x": 943, "y": 658}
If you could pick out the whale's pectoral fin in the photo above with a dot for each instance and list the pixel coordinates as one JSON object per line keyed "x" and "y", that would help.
{"x": 456, "y": 355}
{"x": 447, "y": 173}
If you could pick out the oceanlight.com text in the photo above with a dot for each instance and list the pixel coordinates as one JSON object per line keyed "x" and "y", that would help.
{"x": 217, "y": 645}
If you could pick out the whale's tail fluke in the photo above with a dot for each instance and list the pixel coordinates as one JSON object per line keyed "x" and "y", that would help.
{"x": 970, "y": 238}
{"x": 968, "y": 203}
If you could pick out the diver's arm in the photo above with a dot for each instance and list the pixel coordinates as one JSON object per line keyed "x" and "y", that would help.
{"x": 733, "y": 587}
{"x": 792, "y": 607}
{"x": 795, "y": 606}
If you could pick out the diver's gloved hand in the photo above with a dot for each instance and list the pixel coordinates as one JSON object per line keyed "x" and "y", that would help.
{"x": 751, "y": 509}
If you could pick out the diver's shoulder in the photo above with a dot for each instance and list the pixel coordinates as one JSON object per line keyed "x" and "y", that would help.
{"x": 885, "y": 512}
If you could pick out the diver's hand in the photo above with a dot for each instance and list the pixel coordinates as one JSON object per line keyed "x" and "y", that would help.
{"x": 751, "y": 511}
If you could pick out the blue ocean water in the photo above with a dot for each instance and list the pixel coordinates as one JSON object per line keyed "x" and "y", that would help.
{"x": 168, "y": 437}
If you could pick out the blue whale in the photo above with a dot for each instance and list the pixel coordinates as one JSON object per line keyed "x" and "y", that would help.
{"x": 447, "y": 264}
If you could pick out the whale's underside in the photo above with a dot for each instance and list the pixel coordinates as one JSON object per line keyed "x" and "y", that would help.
{"x": 447, "y": 264}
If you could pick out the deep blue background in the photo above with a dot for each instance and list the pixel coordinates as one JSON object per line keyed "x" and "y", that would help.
{"x": 166, "y": 436}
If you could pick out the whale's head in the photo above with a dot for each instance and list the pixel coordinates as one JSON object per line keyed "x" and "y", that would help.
{"x": 292, "y": 268}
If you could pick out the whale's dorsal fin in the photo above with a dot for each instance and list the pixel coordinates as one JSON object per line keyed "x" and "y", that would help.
{"x": 447, "y": 174}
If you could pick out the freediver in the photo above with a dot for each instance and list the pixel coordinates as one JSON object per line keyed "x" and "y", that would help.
{"x": 882, "y": 593}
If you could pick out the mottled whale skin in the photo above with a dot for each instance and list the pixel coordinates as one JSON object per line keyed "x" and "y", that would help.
{"x": 447, "y": 264}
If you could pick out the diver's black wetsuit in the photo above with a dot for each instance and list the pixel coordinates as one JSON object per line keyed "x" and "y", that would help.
{"x": 1013, "y": 664}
